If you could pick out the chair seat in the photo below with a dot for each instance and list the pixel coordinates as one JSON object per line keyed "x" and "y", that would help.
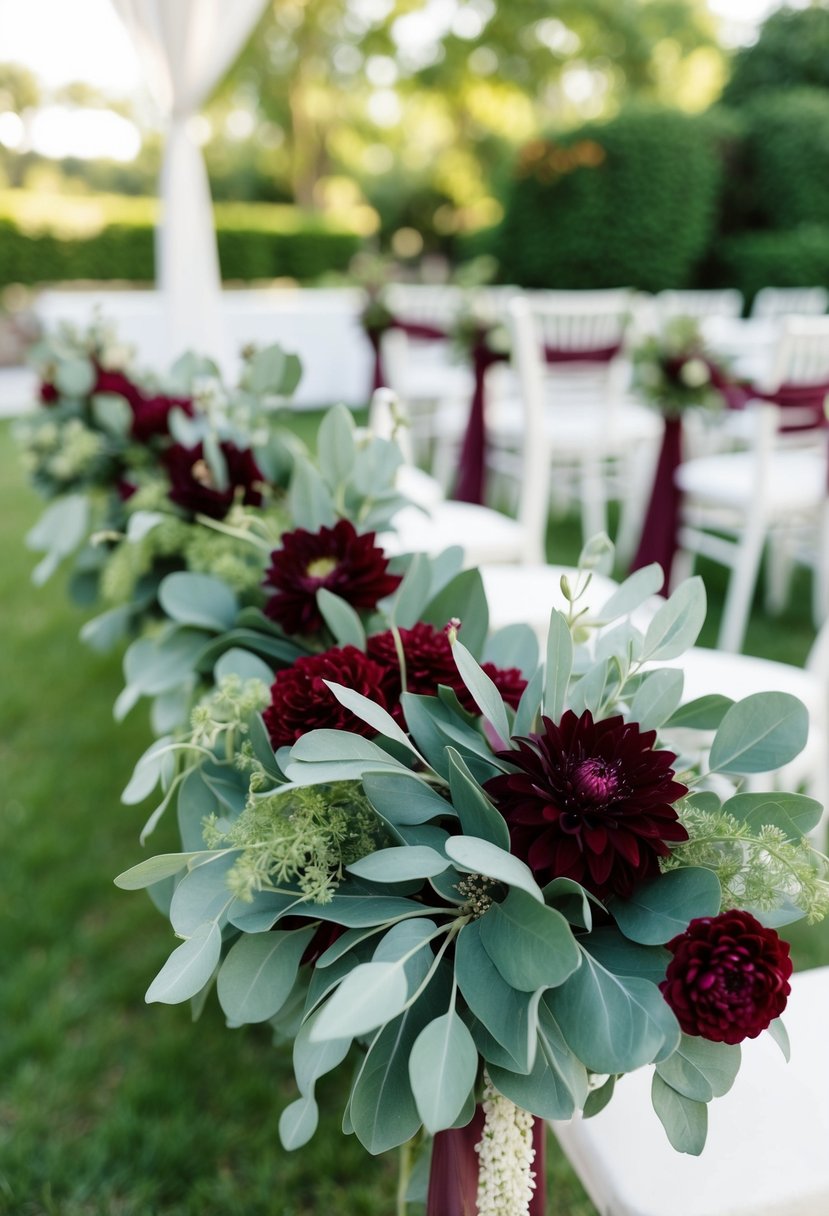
{"x": 418, "y": 486}
{"x": 766, "y": 1151}
{"x": 797, "y": 481}
{"x": 574, "y": 430}
{"x": 528, "y": 593}
{"x": 485, "y": 535}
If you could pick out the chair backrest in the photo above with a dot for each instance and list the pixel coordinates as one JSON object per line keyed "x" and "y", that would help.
{"x": 802, "y": 354}
{"x": 727, "y": 302}
{"x": 425, "y": 302}
{"x": 561, "y": 325}
{"x": 774, "y": 302}
{"x": 529, "y": 364}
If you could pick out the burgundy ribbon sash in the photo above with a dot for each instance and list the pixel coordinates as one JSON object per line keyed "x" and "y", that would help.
{"x": 658, "y": 542}
{"x": 419, "y": 331}
{"x": 453, "y": 1177}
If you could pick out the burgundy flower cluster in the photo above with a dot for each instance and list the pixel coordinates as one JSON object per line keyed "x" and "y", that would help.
{"x": 301, "y": 701}
{"x": 193, "y": 486}
{"x": 728, "y": 978}
{"x": 150, "y": 414}
{"x": 590, "y": 801}
{"x": 338, "y": 559}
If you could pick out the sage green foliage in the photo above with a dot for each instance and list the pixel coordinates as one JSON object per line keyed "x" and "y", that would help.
{"x": 307, "y": 836}
{"x": 640, "y": 213}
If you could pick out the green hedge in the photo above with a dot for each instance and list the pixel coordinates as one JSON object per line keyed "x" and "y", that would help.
{"x": 631, "y": 202}
{"x": 125, "y": 251}
{"x": 753, "y": 260}
{"x": 782, "y": 178}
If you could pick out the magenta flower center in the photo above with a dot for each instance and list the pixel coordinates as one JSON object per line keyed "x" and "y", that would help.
{"x": 597, "y": 781}
{"x": 321, "y": 567}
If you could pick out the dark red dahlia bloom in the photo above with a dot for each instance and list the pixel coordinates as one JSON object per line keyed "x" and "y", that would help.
{"x": 192, "y": 485}
{"x": 346, "y": 564}
{"x": 429, "y": 662}
{"x": 300, "y": 701}
{"x": 590, "y": 801}
{"x": 48, "y": 393}
{"x": 729, "y": 977}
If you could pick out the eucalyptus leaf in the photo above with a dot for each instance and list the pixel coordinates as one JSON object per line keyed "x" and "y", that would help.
{"x": 107, "y": 629}
{"x": 559, "y": 665}
{"x": 531, "y": 945}
{"x": 780, "y": 1036}
{"x": 656, "y": 698}
{"x": 314, "y": 1060}
{"x": 442, "y": 1068}
{"x": 258, "y": 974}
{"x": 795, "y": 814}
{"x": 658, "y": 910}
{"x": 198, "y": 599}
{"x": 370, "y": 712}
{"x": 298, "y": 1122}
{"x": 336, "y": 450}
{"x": 633, "y": 592}
{"x": 403, "y": 800}
{"x": 699, "y": 1069}
{"x": 203, "y": 894}
{"x": 156, "y": 765}
{"x": 761, "y": 733}
{"x": 153, "y": 869}
{"x": 188, "y": 968}
{"x": 399, "y": 864}
{"x": 464, "y": 599}
{"x": 310, "y": 504}
{"x": 703, "y": 713}
{"x": 482, "y": 689}
{"x": 511, "y": 1017}
{"x": 341, "y": 619}
{"x": 413, "y": 593}
{"x": 675, "y": 626}
{"x": 477, "y": 814}
{"x": 241, "y": 663}
{"x": 513, "y": 646}
{"x": 478, "y": 856}
{"x": 685, "y": 1121}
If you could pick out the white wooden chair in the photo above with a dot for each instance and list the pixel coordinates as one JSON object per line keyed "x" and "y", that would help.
{"x": 733, "y": 503}
{"x": 434, "y": 523}
{"x": 726, "y": 302}
{"x": 766, "y": 1152}
{"x": 774, "y": 302}
{"x": 601, "y": 443}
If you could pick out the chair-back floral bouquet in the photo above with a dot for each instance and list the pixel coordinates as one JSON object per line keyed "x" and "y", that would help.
{"x": 488, "y": 883}
{"x": 674, "y": 371}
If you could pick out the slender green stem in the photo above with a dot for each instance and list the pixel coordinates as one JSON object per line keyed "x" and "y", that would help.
{"x": 404, "y": 1173}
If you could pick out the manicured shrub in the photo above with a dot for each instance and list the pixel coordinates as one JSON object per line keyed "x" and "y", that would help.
{"x": 752, "y": 260}
{"x": 631, "y": 202}
{"x": 792, "y": 50}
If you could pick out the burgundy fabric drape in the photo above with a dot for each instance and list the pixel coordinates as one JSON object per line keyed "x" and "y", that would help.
{"x": 415, "y": 329}
{"x": 659, "y": 530}
{"x": 453, "y": 1178}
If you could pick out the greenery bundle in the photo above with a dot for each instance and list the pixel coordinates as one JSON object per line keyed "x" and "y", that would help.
{"x": 487, "y": 881}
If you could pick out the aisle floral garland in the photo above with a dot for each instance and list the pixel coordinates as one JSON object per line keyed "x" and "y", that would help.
{"x": 487, "y": 882}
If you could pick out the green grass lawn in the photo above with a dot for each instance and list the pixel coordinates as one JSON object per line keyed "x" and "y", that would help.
{"x": 109, "y": 1107}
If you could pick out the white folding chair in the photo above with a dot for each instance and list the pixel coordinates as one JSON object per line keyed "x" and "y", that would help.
{"x": 725, "y": 302}
{"x": 601, "y": 443}
{"x": 771, "y": 303}
{"x": 434, "y": 523}
{"x": 734, "y": 503}
{"x": 766, "y": 1150}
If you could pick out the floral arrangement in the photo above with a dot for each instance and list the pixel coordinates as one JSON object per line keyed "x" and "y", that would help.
{"x": 488, "y": 885}
{"x": 146, "y": 476}
{"x": 674, "y": 371}
{"x": 489, "y": 882}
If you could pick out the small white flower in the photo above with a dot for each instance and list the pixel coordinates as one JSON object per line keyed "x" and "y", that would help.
{"x": 694, "y": 373}
{"x": 506, "y": 1179}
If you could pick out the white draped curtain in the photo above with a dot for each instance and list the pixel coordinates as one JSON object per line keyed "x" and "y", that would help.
{"x": 185, "y": 47}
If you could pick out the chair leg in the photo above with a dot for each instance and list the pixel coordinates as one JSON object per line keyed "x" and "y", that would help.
{"x": 778, "y": 573}
{"x": 593, "y": 504}
{"x": 741, "y": 589}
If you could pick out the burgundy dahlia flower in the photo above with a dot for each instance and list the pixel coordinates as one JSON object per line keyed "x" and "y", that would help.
{"x": 192, "y": 485}
{"x": 346, "y": 564}
{"x": 429, "y": 662}
{"x": 590, "y": 801}
{"x": 728, "y": 978}
{"x": 300, "y": 701}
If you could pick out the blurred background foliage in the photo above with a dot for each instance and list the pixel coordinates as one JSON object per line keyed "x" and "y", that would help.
{"x": 584, "y": 143}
